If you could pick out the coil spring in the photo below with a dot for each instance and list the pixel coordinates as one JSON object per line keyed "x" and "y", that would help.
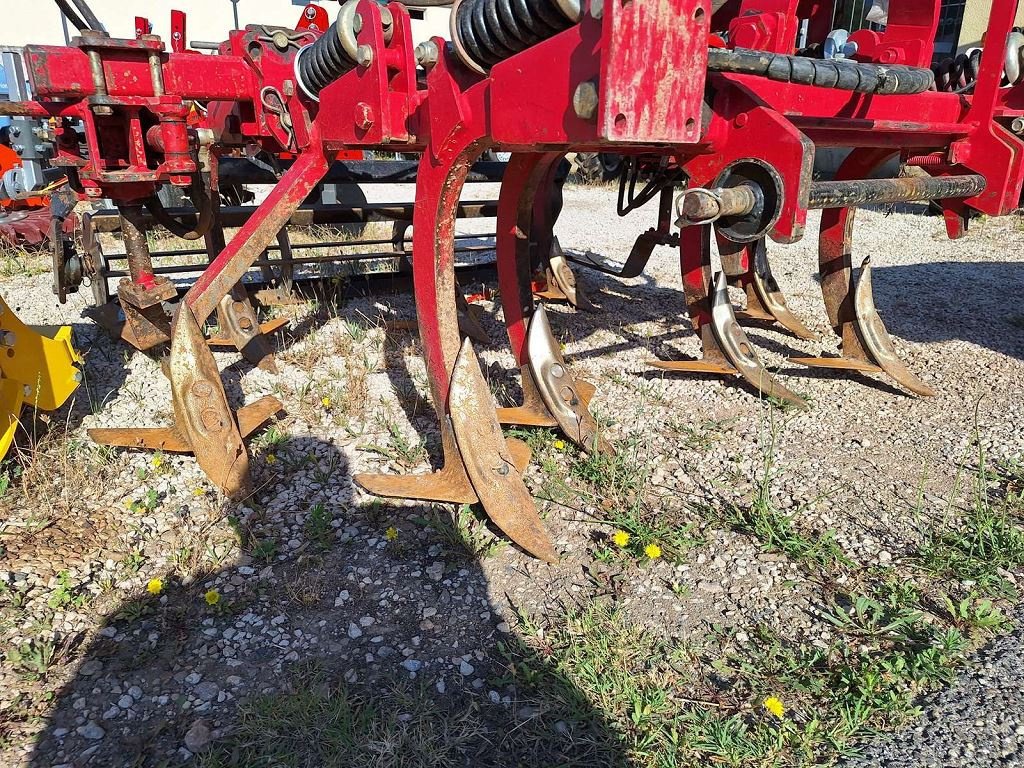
{"x": 333, "y": 54}
{"x": 958, "y": 74}
{"x": 488, "y": 31}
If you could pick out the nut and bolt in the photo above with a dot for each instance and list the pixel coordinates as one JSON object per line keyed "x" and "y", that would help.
{"x": 557, "y": 370}
{"x": 597, "y": 8}
{"x": 6, "y": 339}
{"x": 281, "y": 41}
{"x": 427, "y": 54}
{"x": 584, "y": 100}
{"x": 1017, "y": 126}
{"x": 364, "y": 55}
{"x": 357, "y": 23}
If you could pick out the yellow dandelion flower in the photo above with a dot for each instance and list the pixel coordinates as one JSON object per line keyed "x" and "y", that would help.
{"x": 198, "y": 491}
{"x": 271, "y": 458}
{"x": 155, "y": 586}
{"x": 775, "y": 706}
{"x": 560, "y": 445}
{"x": 157, "y": 461}
{"x": 621, "y": 538}
{"x": 326, "y": 402}
{"x": 653, "y": 551}
{"x": 391, "y": 533}
{"x": 212, "y": 597}
{"x": 129, "y": 503}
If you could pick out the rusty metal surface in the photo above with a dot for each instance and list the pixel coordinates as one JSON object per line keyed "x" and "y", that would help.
{"x": 201, "y": 410}
{"x": 533, "y": 412}
{"x": 844, "y": 194}
{"x": 557, "y": 387}
{"x": 738, "y": 350}
{"x": 166, "y": 439}
{"x": 469, "y": 325}
{"x": 237, "y": 321}
{"x": 766, "y": 298}
{"x": 875, "y": 337}
{"x": 489, "y": 463}
{"x": 448, "y": 484}
{"x": 562, "y": 281}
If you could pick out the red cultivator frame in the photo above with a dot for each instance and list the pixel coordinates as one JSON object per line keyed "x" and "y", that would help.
{"x": 740, "y": 123}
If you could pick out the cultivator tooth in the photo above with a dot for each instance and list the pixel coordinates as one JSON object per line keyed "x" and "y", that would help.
{"x": 236, "y": 317}
{"x": 480, "y": 464}
{"x": 727, "y": 350}
{"x": 551, "y": 397}
{"x": 203, "y": 421}
{"x": 866, "y": 346}
{"x": 561, "y": 282}
{"x": 239, "y": 327}
{"x": 765, "y": 300}
{"x": 488, "y": 460}
{"x": 560, "y": 393}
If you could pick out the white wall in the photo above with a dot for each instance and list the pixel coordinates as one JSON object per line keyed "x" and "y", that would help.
{"x": 39, "y": 21}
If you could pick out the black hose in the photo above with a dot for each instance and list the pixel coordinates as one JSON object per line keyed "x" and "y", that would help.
{"x": 839, "y": 74}
{"x": 204, "y": 204}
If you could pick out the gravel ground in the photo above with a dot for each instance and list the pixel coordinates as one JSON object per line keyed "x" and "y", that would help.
{"x": 307, "y": 569}
{"x": 977, "y": 722}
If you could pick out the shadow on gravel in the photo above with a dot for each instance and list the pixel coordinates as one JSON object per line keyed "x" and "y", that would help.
{"x": 345, "y": 634}
{"x": 939, "y": 301}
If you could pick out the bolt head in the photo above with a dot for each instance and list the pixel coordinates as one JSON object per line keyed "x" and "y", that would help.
{"x": 363, "y": 115}
{"x": 584, "y": 100}
{"x": 280, "y": 38}
{"x": 427, "y": 54}
{"x": 364, "y": 55}
{"x": 597, "y": 8}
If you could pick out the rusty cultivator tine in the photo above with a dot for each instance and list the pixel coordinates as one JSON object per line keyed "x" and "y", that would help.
{"x": 488, "y": 460}
{"x": 236, "y": 316}
{"x": 558, "y": 391}
{"x": 746, "y": 266}
{"x": 561, "y": 282}
{"x": 726, "y": 348}
{"x": 479, "y": 464}
{"x": 551, "y": 396}
{"x": 865, "y": 345}
{"x": 203, "y": 421}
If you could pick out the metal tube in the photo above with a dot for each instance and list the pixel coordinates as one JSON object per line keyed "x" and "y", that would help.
{"x": 235, "y": 216}
{"x": 846, "y": 194}
{"x": 136, "y": 246}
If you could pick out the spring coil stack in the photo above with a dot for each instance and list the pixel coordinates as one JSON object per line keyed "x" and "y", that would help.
{"x": 488, "y": 31}
{"x": 319, "y": 64}
{"x": 959, "y": 73}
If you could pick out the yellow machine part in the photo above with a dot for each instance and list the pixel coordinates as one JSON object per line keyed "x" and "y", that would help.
{"x": 38, "y": 369}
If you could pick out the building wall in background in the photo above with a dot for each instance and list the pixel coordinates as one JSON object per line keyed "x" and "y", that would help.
{"x": 39, "y": 21}
{"x": 975, "y": 21}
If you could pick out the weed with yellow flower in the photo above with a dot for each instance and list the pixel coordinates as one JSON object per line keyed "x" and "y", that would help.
{"x": 774, "y": 705}
{"x": 155, "y": 586}
{"x": 212, "y": 597}
{"x": 391, "y": 533}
